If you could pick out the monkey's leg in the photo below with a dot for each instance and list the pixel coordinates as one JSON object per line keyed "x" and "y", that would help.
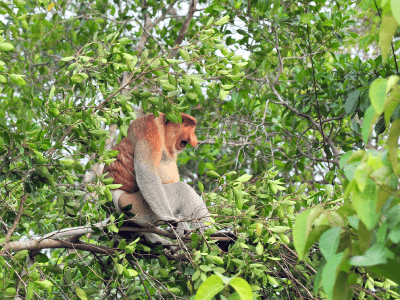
{"x": 187, "y": 205}
{"x": 144, "y": 216}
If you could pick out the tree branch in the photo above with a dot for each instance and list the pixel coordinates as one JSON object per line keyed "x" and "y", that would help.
{"x": 329, "y": 141}
{"x": 184, "y": 28}
{"x": 17, "y": 218}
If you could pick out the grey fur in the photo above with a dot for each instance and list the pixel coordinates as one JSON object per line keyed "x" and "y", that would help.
{"x": 184, "y": 204}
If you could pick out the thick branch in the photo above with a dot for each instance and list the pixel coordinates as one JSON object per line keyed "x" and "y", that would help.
{"x": 50, "y": 243}
{"x": 184, "y": 28}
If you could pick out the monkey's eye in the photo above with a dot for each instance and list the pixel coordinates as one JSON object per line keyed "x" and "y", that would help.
{"x": 186, "y": 125}
{"x": 183, "y": 144}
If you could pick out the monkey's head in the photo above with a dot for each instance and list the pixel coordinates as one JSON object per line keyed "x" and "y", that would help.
{"x": 179, "y": 135}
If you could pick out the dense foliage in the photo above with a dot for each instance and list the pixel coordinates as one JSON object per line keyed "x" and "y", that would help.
{"x": 298, "y": 112}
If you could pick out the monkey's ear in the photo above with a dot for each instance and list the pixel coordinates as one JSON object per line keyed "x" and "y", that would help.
{"x": 187, "y": 119}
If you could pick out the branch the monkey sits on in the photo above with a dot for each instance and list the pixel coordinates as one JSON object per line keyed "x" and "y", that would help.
{"x": 146, "y": 167}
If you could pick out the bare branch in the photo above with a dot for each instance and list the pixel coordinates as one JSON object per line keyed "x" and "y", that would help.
{"x": 184, "y": 28}
{"x": 17, "y": 218}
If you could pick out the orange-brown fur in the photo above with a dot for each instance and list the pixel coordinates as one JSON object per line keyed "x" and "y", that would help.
{"x": 163, "y": 141}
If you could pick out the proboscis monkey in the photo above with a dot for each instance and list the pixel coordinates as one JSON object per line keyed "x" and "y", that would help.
{"x": 146, "y": 167}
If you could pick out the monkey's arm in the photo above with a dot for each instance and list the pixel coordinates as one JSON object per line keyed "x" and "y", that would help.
{"x": 150, "y": 183}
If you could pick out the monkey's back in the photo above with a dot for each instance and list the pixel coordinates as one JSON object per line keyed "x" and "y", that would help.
{"x": 122, "y": 169}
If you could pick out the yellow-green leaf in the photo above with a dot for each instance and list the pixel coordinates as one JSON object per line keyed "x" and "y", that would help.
{"x": 81, "y": 293}
{"x": 393, "y": 143}
{"x": 209, "y": 288}
{"x": 377, "y": 94}
{"x": 395, "y": 5}
{"x": 387, "y": 30}
{"x": 302, "y": 228}
{"x": 222, "y": 21}
{"x": 223, "y": 94}
{"x": 242, "y": 288}
{"x": 370, "y": 118}
{"x": 6, "y": 47}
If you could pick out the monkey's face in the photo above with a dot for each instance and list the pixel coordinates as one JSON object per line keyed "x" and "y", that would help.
{"x": 179, "y": 135}
{"x": 186, "y": 136}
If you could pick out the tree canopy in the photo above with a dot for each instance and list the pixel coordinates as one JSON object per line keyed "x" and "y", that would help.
{"x": 298, "y": 116}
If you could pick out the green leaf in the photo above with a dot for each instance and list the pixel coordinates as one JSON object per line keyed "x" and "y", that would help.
{"x": 21, "y": 255}
{"x": 279, "y": 229}
{"x": 68, "y": 58}
{"x": 120, "y": 268}
{"x": 29, "y": 290}
{"x": 389, "y": 270}
{"x": 185, "y": 55}
{"x": 213, "y": 174}
{"x": 81, "y": 293}
{"x": 124, "y": 130}
{"x": 17, "y": 79}
{"x": 391, "y": 82}
{"x": 6, "y": 47}
{"x": 377, "y": 94}
{"x": 3, "y": 79}
{"x": 306, "y": 18}
{"x": 351, "y": 102}
{"x": 169, "y": 87}
{"x": 10, "y": 291}
{"x": 330, "y": 273}
{"x": 395, "y": 5}
{"x": 259, "y": 248}
{"x": 227, "y": 86}
{"x": 329, "y": 242}
{"x": 200, "y": 186}
{"x": 361, "y": 175}
{"x": 174, "y": 290}
{"x": 223, "y": 94}
{"x": 51, "y": 94}
{"x": 54, "y": 112}
{"x": 242, "y": 288}
{"x": 78, "y": 78}
{"x": 114, "y": 186}
{"x": 393, "y": 144}
{"x": 130, "y": 273}
{"x": 192, "y": 96}
{"x": 275, "y": 7}
{"x": 238, "y": 198}
{"x": 302, "y": 228}
{"x": 222, "y": 21}
{"x": 210, "y": 21}
{"x": 44, "y": 283}
{"x": 67, "y": 162}
{"x": 209, "y": 288}
{"x": 113, "y": 228}
{"x": 244, "y": 178}
{"x": 318, "y": 276}
{"x": 377, "y": 254}
{"x": 365, "y": 204}
{"x": 342, "y": 289}
{"x": 124, "y": 41}
{"x": 344, "y": 158}
{"x": 387, "y": 30}
{"x": 370, "y": 118}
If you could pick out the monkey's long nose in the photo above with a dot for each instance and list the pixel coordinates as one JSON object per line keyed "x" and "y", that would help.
{"x": 193, "y": 140}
